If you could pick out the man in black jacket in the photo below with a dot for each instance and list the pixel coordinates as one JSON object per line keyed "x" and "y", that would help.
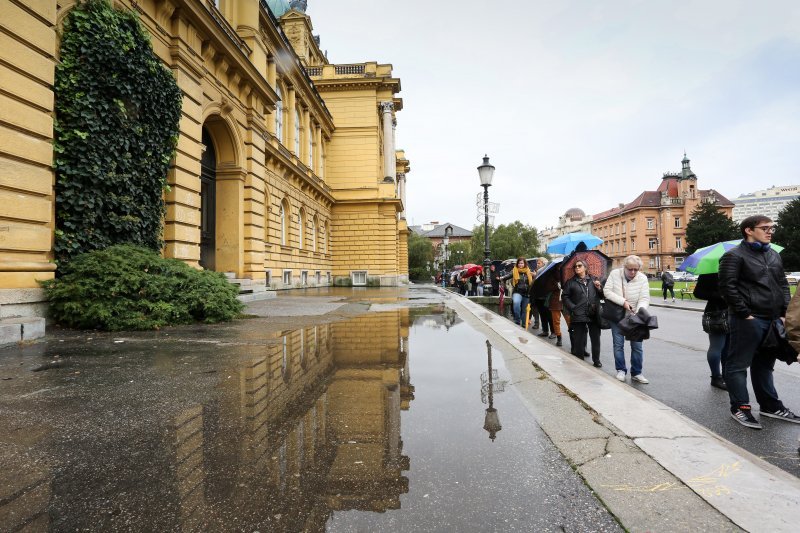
{"x": 753, "y": 284}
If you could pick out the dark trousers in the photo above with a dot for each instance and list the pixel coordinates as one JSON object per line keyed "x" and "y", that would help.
{"x": 745, "y": 338}
{"x": 578, "y": 339}
{"x": 669, "y": 288}
{"x": 545, "y": 317}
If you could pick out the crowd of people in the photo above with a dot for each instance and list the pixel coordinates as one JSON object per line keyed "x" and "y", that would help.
{"x": 748, "y": 316}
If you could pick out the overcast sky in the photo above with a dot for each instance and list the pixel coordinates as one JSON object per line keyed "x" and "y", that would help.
{"x": 579, "y": 103}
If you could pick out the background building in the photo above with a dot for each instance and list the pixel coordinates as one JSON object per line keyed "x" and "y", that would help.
{"x": 768, "y": 202}
{"x": 653, "y": 226}
{"x": 286, "y": 171}
{"x": 435, "y": 232}
{"x": 574, "y": 220}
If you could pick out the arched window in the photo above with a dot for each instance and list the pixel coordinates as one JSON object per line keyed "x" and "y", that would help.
{"x": 301, "y": 219}
{"x": 284, "y": 223}
{"x": 314, "y": 227}
{"x": 279, "y": 115}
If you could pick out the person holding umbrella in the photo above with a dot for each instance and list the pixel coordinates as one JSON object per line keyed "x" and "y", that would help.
{"x": 580, "y": 298}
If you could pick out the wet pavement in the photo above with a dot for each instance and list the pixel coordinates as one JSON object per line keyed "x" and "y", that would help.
{"x": 339, "y": 410}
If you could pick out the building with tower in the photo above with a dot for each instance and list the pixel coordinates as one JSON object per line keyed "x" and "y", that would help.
{"x": 572, "y": 221}
{"x": 653, "y": 225}
{"x": 286, "y": 172}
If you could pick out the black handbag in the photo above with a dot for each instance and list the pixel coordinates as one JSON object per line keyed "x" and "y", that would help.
{"x": 716, "y": 321}
{"x": 611, "y": 312}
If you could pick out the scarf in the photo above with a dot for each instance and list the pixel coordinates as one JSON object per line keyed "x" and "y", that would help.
{"x": 516, "y": 272}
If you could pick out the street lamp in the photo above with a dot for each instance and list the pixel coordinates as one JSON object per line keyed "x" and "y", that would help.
{"x": 486, "y": 172}
{"x": 448, "y": 231}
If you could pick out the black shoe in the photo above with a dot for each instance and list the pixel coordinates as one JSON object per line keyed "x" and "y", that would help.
{"x": 597, "y": 364}
{"x": 718, "y": 382}
{"x": 558, "y": 340}
{"x": 542, "y": 334}
{"x": 743, "y": 415}
{"x": 535, "y": 325}
{"x": 587, "y": 354}
{"x": 782, "y": 414}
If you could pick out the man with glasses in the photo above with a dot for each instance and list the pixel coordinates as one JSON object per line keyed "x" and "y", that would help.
{"x": 628, "y": 287}
{"x": 752, "y": 282}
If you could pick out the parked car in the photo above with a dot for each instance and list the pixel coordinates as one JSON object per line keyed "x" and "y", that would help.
{"x": 793, "y": 278}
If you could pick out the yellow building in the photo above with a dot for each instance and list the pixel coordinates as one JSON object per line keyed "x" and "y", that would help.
{"x": 286, "y": 171}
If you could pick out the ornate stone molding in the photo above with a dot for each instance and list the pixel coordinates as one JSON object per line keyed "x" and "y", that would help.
{"x": 386, "y": 107}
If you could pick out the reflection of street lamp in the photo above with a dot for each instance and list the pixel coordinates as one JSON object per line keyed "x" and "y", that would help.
{"x": 486, "y": 171}
{"x": 448, "y": 231}
{"x": 492, "y": 420}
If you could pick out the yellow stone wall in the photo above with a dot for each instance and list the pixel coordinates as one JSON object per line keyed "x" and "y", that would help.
{"x": 231, "y": 64}
{"x": 27, "y": 62}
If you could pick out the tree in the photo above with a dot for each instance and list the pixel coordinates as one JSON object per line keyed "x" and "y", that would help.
{"x": 420, "y": 257}
{"x": 707, "y": 226}
{"x": 788, "y": 234}
{"x": 506, "y": 241}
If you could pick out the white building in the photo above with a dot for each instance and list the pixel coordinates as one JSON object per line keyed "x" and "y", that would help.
{"x": 768, "y": 202}
{"x": 574, "y": 220}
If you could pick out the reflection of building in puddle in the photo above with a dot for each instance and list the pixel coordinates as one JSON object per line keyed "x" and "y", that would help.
{"x": 367, "y": 392}
{"x": 438, "y": 317}
{"x": 310, "y": 426}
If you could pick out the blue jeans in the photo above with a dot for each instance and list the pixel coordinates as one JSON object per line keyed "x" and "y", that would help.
{"x": 520, "y": 305}
{"x": 717, "y": 354}
{"x": 637, "y": 354}
{"x": 745, "y": 338}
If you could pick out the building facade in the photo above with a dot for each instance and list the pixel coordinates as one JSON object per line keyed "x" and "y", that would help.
{"x": 436, "y": 233}
{"x": 769, "y": 202}
{"x": 573, "y": 221}
{"x": 286, "y": 171}
{"x": 653, "y": 226}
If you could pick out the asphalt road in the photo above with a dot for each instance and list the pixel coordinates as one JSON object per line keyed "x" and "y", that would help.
{"x": 675, "y": 363}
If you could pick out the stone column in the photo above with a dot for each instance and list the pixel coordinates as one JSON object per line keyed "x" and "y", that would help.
{"x": 401, "y": 192}
{"x": 292, "y": 116}
{"x": 394, "y": 147}
{"x": 388, "y": 144}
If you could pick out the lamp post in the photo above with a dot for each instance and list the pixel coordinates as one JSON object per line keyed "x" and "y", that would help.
{"x": 486, "y": 172}
{"x": 448, "y": 231}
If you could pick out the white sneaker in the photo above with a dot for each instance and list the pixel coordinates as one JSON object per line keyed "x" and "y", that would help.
{"x": 639, "y": 378}
{"x": 621, "y": 375}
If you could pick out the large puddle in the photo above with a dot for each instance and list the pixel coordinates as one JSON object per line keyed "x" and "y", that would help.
{"x": 390, "y": 420}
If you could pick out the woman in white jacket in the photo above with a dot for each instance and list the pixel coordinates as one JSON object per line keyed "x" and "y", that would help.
{"x": 628, "y": 287}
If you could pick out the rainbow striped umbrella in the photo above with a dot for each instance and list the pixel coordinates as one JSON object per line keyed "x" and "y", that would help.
{"x": 706, "y": 260}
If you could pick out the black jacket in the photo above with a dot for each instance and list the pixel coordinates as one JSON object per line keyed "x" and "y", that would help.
{"x": 753, "y": 283}
{"x": 580, "y": 301}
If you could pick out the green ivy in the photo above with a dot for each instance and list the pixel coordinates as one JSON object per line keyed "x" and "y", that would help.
{"x": 116, "y": 129}
{"x": 126, "y": 287}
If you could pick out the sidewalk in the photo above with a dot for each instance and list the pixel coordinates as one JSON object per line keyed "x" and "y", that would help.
{"x": 752, "y": 493}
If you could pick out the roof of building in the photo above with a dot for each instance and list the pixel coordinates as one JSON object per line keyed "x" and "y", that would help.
{"x": 438, "y": 231}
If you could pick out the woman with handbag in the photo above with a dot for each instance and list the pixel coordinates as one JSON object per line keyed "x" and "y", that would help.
{"x": 628, "y": 288}
{"x": 715, "y": 323}
{"x": 580, "y": 298}
{"x": 521, "y": 281}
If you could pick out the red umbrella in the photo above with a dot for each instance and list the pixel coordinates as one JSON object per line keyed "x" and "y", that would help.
{"x": 471, "y": 269}
{"x": 458, "y": 267}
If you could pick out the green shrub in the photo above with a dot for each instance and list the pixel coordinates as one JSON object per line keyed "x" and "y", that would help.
{"x": 128, "y": 287}
{"x": 117, "y": 113}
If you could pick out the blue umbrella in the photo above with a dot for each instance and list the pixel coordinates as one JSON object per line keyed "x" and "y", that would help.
{"x": 706, "y": 260}
{"x": 567, "y": 243}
